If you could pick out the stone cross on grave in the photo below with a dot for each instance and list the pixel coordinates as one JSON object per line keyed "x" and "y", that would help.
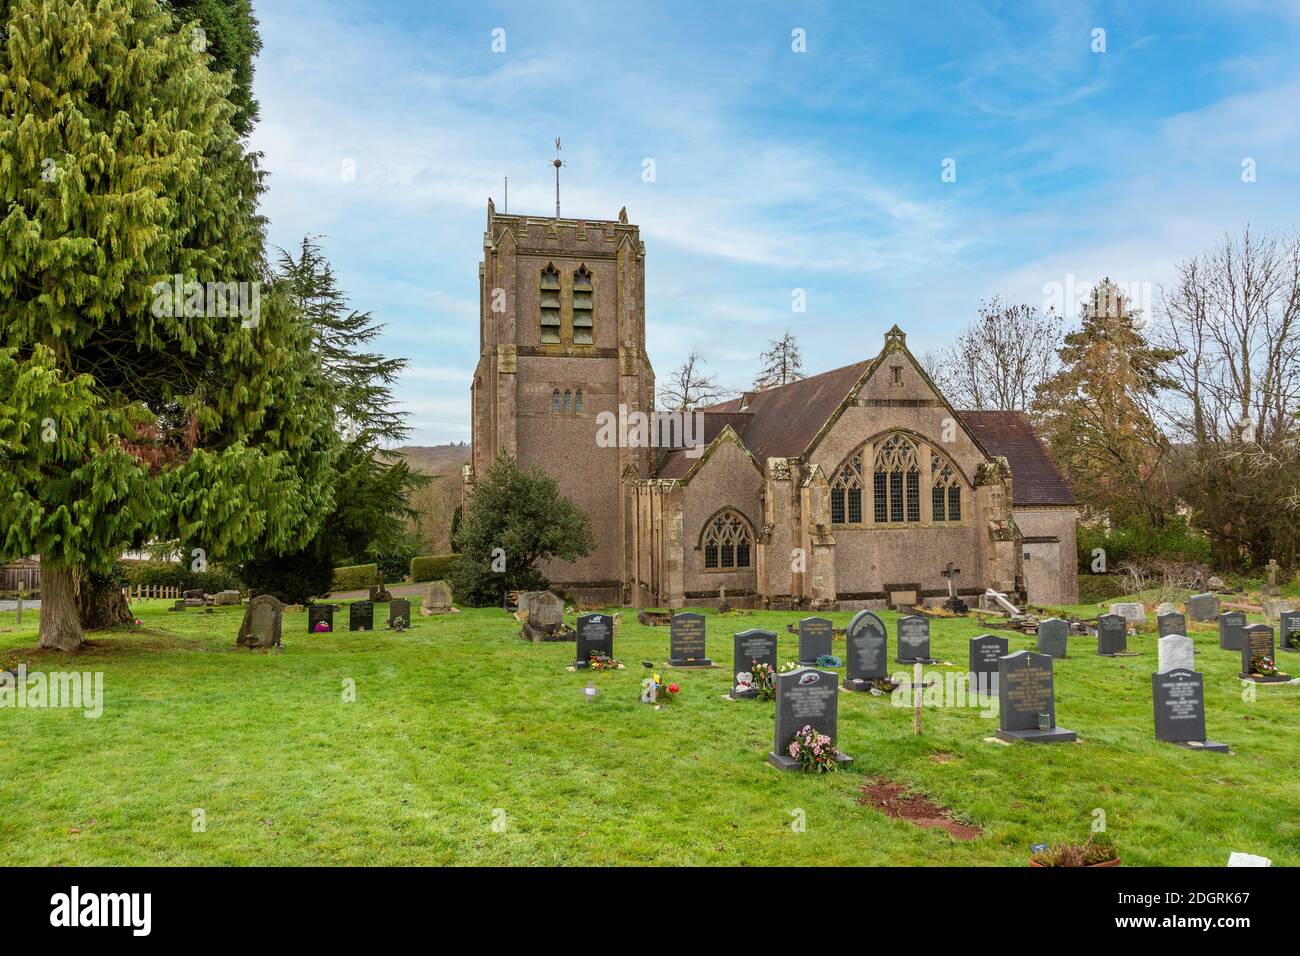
{"x": 954, "y": 603}
{"x": 1272, "y": 568}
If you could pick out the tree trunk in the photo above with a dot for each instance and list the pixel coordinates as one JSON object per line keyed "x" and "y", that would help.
{"x": 60, "y": 626}
{"x": 101, "y": 603}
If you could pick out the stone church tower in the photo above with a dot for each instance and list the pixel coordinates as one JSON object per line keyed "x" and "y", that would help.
{"x": 562, "y": 339}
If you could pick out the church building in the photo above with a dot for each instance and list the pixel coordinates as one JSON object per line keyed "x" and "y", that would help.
{"x": 858, "y": 487}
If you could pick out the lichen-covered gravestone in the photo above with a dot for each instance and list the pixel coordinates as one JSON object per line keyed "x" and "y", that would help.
{"x": 262, "y": 620}
{"x": 545, "y": 616}
{"x": 1132, "y": 611}
{"x": 437, "y": 600}
{"x": 226, "y": 598}
{"x": 1203, "y": 607}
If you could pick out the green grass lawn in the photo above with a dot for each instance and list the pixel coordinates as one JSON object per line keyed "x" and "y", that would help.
{"x": 458, "y": 722}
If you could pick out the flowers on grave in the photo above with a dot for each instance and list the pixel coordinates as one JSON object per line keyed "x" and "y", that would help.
{"x": 813, "y": 751}
{"x": 883, "y": 687}
{"x": 1293, "y": 639}
{"x": 1098, "y": 849}
{"x": 656, "y": 691}
{"x": 599, "y": 661}
{"x": 829, "y": 660}
{"x": 1264, "y": 666}
{"x": 762, "y": 680}
{"x": 321, "y": 627}
{"x": 789, "y": 666}
{"x": 744, "y": 682}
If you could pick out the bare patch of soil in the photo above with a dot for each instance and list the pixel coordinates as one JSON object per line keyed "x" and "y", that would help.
{"x": 893, "y": 800}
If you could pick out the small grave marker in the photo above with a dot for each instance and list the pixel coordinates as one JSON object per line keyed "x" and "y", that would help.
{"x": 816, "y": 640}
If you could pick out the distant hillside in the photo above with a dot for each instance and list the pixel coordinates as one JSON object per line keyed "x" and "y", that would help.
{"x": 436, "y": 459}
{"x": 439, "y": 499}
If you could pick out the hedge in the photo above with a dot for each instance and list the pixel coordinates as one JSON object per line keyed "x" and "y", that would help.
{"x": 355, "y": 578}
{"x": 430, "y": 567}
{"x": 179, "y": 575}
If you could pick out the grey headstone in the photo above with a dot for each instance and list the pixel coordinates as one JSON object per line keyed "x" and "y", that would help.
{"x": 1232, "y": 630}
{"x": 437, "y": 600}
{"x": 361, "y": 616}
{"x": 399, "y": 614}
{"x": 1178, "y": 697}
{"x": 866, "y": 651}
{"x": 913, "y": 639}
{"x": 1174, "y": 623}
{"x": 1258, "y": 642}
{"x": 595, "y": 634}
{"x": 816, "y": 639}
{"x": 262, "y": 620}
{"x": 1027, "y": 699}
{"x": 545, "y": 612}
{"x": 226, "y": 598}
{"x": 1203, "y": 607}
{"x": 1288, "y": 632}
{"x": 749, "y": 646}
{"x": 318, "y": 613}
{"x": 195, "y": 595}
{"x": 1274, "y": 608}
{"x": 686, "y": 635}
{"x": 1175, "y": 652}
{"x": 1165, "y": 607}
{"x": 1112, "y": 635}
{"x": 1132, "y": 611}
{"x": 985, "y": 652}
{"x": 1053, "y": 637}
{"x": 804, "y": 697}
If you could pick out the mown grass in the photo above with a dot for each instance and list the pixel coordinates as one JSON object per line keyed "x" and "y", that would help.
{"x": 458, "y": 723}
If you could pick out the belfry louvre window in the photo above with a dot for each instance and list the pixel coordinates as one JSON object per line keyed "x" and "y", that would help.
{"x": 550, "y": 305}
{"x": 945, "y": 494}
{"x": 582, "y": 307}
{"x": 727, "y": 542}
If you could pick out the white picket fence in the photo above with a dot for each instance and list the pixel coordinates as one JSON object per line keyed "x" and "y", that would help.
{"x": 151, "y": 591}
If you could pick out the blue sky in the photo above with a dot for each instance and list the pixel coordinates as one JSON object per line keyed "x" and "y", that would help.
{"x": 774, "y": 170}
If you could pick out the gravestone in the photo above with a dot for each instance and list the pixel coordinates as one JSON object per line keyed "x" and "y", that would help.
{"x": 985, "y": 652}
{"x": 1178, "y": 696}
{"x": 866, "y": 653}
{"x": 1112, "y": 635}
{"x": 262, "y": 620}
{"x": 1165, "y": 607}
{"x": 378, "y": 593}
{"x": 595, "y": 633}
{"x": 1232, "y": 630}
{"x": 1027, "y": 700}
{"x": 1053, "y": 637}
{"x": 399, "y": 614}
{"x": 1174, "y": 623}
{"x": 1175, "y": 652}
{"x": 1288, "y": 632}
{"x": 437, "y": 600}
{"x": 1131, "y": 611}
{"x": 226, "y": 598}
{"x": 545, "y": 616}
{"x": 748, "y": 647}
{"x": 686, "y": 641}
{"x": 361, "y": 616}
{"x": 1215, "y": 583}
{"x": 1274, "y": 608}
{"x": 914, "y": 640}
{"x": 1203, "y": 607}
{"x": 954, "y": 602}
{"x": 1271, "y": 570}
{"x": 816, "y": 639}
{"x": 195, "y": 595}
{"x": 805, "y": 697}
{"x": 1257, "y": 643}
{"x": 318, "y": 613}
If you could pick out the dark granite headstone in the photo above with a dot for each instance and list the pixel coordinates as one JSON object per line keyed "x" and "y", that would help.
{"x": 805, "y": 697}
{"x": 1171, "y": 623}
{"x": 816, "y": 639}
{"x": 399, "y": 614}
{"x": 866, "y": 652}
{"x": 1257, "y": 643}
{"x": 750, "y": 646}
{"x": 1027, "y": 699}
{"x": 262, "y": 620}
{"x": 1232, "y": 630}
{"x": 914, "y": 640}
{"x": 985, "y": 651}
{"x": 361, "y": 616}
{"x": 1053, "y": 637}
{"x": 1288, "y": 632}
{"x": 1112, "y": 635}
{"x": 595, "y": 633}
{"x": 686, "y": 641}
{"x": 1203, "y": 607}
{"x": 316, "y": 613}
{"x": 1179, "y": 699}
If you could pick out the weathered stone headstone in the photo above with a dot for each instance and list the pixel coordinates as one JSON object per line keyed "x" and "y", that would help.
{"x": 805, "y": 697}
{"x": 1203, "y": 607}
{"x": 318, "y": 614}
{"x": 1274, "y": 608}
{"x": 1112, "y": 635}
{"x": 914, "y": 640}
{"x": 1053, "y": 637}
{"x": 262, "y": 620}
{"x": 399, "y": 614}
{"x": 985, "y": 652}
{"x": 1271, "y": 570}
{"x": 1232, "y": 630}
{"x": 193, "y": 595}
{"x": 226, "y": 598}
{"x": 437, "y": 600}
{"x": 1175, "y": 652}
{"x": 816, "y": 639}
{"x": 545, "y": 616}
{"x": 361, "y": 616}
{"x": 1257, "y": 644}
{"x": 748, "y": 647}
{"x": 1179, "y": 699}
{"x": 1133, "y": 611}
{"x": 1174, "y": 623}
{"x": 866, "y": 651}
{"x": 686, "y": 635}
{"x": 1166, "y": 607}
{"x": 1027, "y": 700}
{"x": 1288, "y": 632}
{"x": 595, "y": 634}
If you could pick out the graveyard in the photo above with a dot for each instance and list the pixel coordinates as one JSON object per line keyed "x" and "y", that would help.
{"x": 454, "y": 740}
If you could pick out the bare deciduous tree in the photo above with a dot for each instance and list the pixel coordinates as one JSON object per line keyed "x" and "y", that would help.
{"x": 688, "y": 387}
{"x": 1001, "y": 358}
{"x": 782, "y": 363}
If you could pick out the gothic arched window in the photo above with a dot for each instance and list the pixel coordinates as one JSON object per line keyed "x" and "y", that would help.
{"x": 583, "y": 308}
{"x": 728, "y": 543}
{"x": 945, "y": 492}
{"x": 555, "y": 402}
{"x": 846, "y": 493}
{"x": 577, "y": 401}
{"x": 549, "y": 302}
{"x": 568, "y": 400}
{"x": 897, "y": 481}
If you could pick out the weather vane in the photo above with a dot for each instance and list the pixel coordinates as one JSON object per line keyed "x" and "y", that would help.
{"x": 557, "y": 163}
